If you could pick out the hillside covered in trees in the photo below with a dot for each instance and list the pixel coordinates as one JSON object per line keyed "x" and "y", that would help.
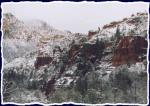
{"x": 46, "y": 65}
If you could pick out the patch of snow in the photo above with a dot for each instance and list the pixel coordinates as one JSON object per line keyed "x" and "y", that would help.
{"x": 138, "y": 67}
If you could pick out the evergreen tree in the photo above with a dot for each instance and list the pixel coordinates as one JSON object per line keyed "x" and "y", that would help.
{"x": 132, "y": 32}
{"x": 99, "y": 47}
{"x": 72, "y": 43}
{"x": 118, "y": 33}
{"x": 81, "y": 85}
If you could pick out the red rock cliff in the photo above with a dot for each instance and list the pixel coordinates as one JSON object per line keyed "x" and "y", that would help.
{"x": 41, "y": 61}
{"x": 129, "y": 50}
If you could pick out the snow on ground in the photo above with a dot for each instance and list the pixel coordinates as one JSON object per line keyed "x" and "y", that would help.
{"x": 26, "y": 96}
{"x": 13, "y": 48}
{"x": 16, "y": 63}
{"x": 125, "y": 28}
{"x": 65, "y": 81}
{"x": 71, "y": 70}
{"x": 138, "y": 67}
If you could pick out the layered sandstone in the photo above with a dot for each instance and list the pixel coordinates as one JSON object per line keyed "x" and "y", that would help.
{"x": 131, "y": 49}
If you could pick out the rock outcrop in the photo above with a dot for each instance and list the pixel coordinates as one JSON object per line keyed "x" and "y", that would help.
{"x": 73, "y": 51}
{"x": 41, "y": 61}
{"x": 91, "y": 33}
{"x": 130, "y": 49}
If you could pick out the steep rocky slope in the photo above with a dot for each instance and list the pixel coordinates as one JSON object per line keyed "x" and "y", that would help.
{"x": 130, "y": 49}
{"x": 107, "y": 65}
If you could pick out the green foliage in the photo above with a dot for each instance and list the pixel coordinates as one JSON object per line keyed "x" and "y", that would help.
{"x": 9, "y": 87}
{"x": 93, "y": 81}
{"x": 122, "y": 80}
{"x": 83, "y": 39}
{"x": 81, "y": 85}
{"x": 65, "y": 95}
{"x": 72, "y": 43}
{"x": 99, "y": 47}
{"x": 137, "y": 20}
{"x": 6, "y": 33}
{"x": 118, "y": 34}
{"x": 132, "y": 32}
{"x": 131, "y": 86}
{"x": 92, "y": 96}
{"x": 112, "y": 38}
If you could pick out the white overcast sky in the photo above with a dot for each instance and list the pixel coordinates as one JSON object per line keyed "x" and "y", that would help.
{"x": 74, "y": 16}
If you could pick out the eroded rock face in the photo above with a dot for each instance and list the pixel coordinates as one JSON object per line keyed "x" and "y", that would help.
{"x": 112, "y": 24}
{"x": 88, "y": 51}
{"x": 41, "y": 61}
{"x": 72, "y": 52}
{"x": 131, "y": 49}
{"x": 91, "y": 33}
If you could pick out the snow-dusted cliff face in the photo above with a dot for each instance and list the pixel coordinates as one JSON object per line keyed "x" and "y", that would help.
{"x": 136, "y": 25}
{"x": 48, "y": 65}
{"x": 31, "y": 36}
